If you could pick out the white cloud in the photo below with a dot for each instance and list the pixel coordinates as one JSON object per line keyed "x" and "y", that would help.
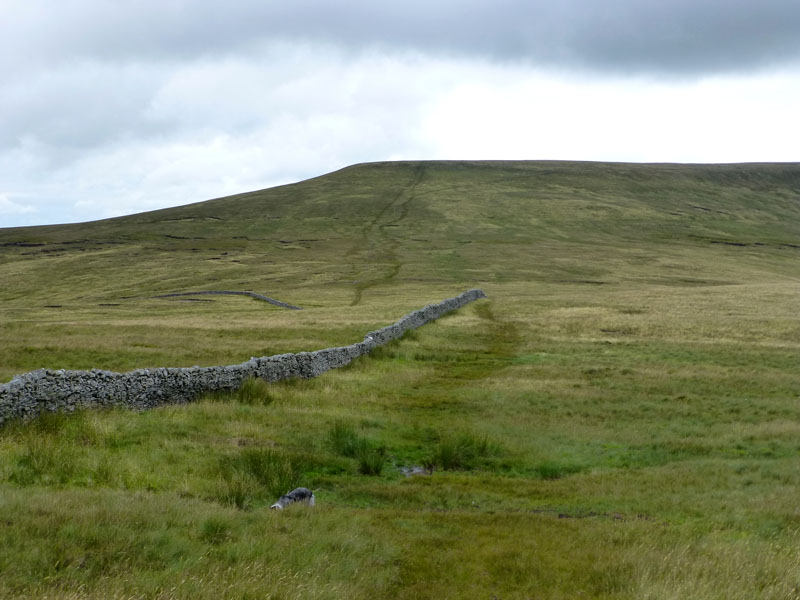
{"x": 527, "y": 114}
{"x": 8, "y": 207}
{"x": 223, "y": 126}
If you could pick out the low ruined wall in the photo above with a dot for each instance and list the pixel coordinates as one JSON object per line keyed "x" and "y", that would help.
{"x": 27, "y": 395}
{"x": 227, "y": 293}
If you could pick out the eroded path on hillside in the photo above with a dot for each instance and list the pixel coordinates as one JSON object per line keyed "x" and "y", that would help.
{"x": 377, "y": 245}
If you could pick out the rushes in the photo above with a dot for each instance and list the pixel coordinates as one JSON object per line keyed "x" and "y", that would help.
{"x": 462, "y": 452}
{"x": 371, "y": 459}
{"x": 344, "y": 440}
{"x": 551, "y": 469}
{"x": 257, "y": 474}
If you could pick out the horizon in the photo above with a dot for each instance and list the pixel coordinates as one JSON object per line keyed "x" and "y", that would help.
{"x": 456, "y": 160}
{"x": 413, "y": 161}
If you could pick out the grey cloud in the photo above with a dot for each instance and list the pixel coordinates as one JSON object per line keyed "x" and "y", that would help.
{"x": 76, "y": 108}
{"x": 664, "y": 36}
{"x": 87, "y": 140}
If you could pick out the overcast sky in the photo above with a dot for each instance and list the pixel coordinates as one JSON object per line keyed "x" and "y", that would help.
{"x": 110, "y": 107}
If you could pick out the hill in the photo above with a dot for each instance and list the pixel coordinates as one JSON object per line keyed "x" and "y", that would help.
{"x": 359, "y": 234}
{"x": 618, "y": 420}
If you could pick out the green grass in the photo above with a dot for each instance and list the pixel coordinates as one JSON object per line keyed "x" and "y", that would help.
{"x": 344, "y": 441}
{"x": 461, "y": 452}
{"x": 257, "y": 473}
{"x": 619, "y": 419}
{"x": 254, "y": 391}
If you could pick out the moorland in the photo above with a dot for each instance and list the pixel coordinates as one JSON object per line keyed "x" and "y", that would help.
{"x": 620, "y": 418}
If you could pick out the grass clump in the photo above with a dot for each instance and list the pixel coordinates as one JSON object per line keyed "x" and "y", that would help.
{"x": 215, "y": 530}
{"x": 257, "y": 474}
{"x": 551, "y": 469}
{"x": 463, "y": 452}
{"x": 44, "y": 460}
{"x": 371, "y": 459}
{"x": 345, "y": 441}
{"x": 51, "y": 448}
{"x": 254, "y": 391}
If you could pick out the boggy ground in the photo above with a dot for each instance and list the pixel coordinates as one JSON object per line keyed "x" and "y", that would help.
{"x": 619, "y": 419}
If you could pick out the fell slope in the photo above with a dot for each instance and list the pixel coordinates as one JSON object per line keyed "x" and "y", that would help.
{"x": 452, "y": 222}
{"x": 360, "y": 234}
{"x": 618, "y": 420}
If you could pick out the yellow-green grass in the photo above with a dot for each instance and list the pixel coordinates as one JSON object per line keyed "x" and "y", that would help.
{"x": 624, "y": 408}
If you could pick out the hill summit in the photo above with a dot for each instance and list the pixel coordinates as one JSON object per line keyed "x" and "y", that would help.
{"x": 465, "y": 222}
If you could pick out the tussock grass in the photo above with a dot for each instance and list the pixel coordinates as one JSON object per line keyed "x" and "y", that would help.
{"x": 254, "y": 391}
{"x": 345, "y": 441}
{"x": 464, "y": 451}
{"x": 255, "y": 474}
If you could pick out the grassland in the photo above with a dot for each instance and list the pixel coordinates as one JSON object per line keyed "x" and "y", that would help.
{"x": 620, "y": 419}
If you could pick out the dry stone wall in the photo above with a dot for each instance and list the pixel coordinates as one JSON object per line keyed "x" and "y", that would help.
{"x": 29, "y": 394}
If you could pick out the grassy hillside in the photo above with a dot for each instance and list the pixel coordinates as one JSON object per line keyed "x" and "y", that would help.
{"x": 619, "y": 419}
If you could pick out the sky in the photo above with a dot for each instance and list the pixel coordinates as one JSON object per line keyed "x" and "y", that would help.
{"x": 110, "y": 107}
